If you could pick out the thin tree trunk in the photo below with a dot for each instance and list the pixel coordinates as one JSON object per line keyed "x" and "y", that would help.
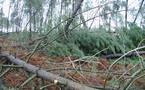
{"x": 66, "y": 27}
{"x": 109, "y": 24}
{"x": 41, "y": 22}
{"x": 17, "y": 19}
{"x": 30, "y": 16}
{"x": 116, "y": 20}
{"x": 60, "y": 18}
{"x": 126, "y": 10}
{"x": 82, "y": 18}
{"x": 34, "y": 23}
{"x": 1, "y": 20}
{"x": 138, "y": 11}
{"x": 94, "y": 18}
{"x": 8, "y": 19}
{"x": 50, "y": 11}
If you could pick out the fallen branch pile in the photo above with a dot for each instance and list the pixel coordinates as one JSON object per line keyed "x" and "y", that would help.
{"x": 44, "y": 74}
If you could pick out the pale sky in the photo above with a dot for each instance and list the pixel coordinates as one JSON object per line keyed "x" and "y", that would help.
{"x": 6, "y": 4}
{"x": 131, "y": 3}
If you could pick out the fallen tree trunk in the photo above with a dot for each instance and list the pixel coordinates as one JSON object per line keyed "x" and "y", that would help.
{"x": 44, "y": 74}
{"x": 111, "y": 56}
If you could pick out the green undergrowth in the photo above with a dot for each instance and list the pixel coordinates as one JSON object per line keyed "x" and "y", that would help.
{"x": 60, "y": 49}
{"x": 82, "y": 42}
{"x": 85, "y": 42}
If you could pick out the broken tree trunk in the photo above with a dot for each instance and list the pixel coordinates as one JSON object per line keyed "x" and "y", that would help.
{"x": 111, "y": 56}
{"x": 44, "y": 74}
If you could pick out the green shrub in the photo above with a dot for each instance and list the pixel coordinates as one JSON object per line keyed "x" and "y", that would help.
{"x": 92, "y": 42}
{"x": 86, "y": 42}
{"x": 20, "y": 36}
{"x": 74, "y": 50}
{"x": 135, "y": 34}
{"x": 60, "y": 49}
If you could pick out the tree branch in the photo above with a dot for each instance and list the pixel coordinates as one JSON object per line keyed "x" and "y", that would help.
{"x": 44, "y": 74}
{"x": 138, "y": 11}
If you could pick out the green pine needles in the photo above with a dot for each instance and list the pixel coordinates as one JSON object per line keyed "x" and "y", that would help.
{"x": 88, "y": 42}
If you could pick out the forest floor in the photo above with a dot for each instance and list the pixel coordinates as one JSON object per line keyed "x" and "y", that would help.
{"x": 89, "y": 72}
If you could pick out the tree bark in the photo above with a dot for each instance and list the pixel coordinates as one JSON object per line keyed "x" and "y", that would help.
{"x": 126, "y": 10}
{"x": 44, "y": 74}
{"x": 30, "y": 16}
{"x": 8, "y": 19}
{"x": 66, "y": 27}
{"x": 82, "y": 18}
